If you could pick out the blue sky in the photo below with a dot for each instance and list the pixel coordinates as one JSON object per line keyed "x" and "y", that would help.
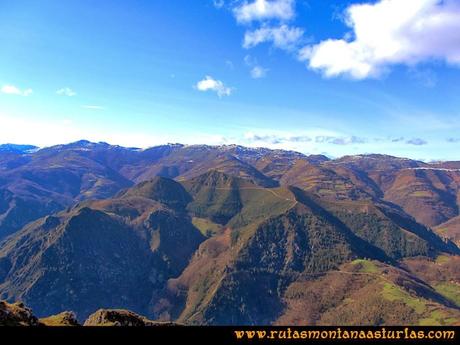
{"x": 334, "y": 77}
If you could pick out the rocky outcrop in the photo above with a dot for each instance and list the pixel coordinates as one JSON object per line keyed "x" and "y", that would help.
{"x": 118, "y": 317}
{"x": 16, "y": 314}
{"x": 66, "y": 318}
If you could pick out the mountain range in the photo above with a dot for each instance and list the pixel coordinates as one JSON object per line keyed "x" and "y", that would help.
{"x": 225, "y": 235}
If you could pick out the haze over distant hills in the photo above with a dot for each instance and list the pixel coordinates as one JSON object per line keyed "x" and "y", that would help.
{"x": 229, "y": 235}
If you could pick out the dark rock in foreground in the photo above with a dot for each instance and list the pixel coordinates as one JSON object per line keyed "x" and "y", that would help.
{"x": 17, "y": 314}
{"x": 118, "y": 317}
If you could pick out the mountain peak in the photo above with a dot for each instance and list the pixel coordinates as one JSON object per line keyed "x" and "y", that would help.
{"x": 161, "y": 189}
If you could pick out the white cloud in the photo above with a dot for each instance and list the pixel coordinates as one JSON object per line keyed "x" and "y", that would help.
{"x": 211, "y": 84}
{"x": 258, "y": 72}
{"x": 13, "y": 90}
{"x": 390, "y": 32}
{"x": 282, "y": 37}
{"x": 66, "y": 91}
{"x": 264, "y": 10}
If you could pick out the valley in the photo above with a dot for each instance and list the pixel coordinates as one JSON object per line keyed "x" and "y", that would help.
{"x": 228, "y": 235}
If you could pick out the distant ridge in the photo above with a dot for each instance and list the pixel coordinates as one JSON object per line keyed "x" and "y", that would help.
{"x": 20, "y": 149}
{"x": 234, "y": 148}
{"x": 35, "y": 182}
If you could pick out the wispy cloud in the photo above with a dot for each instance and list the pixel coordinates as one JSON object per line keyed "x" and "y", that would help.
{"x": 311, "y": 141}
{"x": 258, "y": 72}
{"x": 66, "y": 91}
{"x": 272, "y": 17}
{"x": 343, "y": 140}
{"x": 218, "y": 3}
{"x": 276, "y": 138}
{"x": 417, "y": 142}
{"x": 397, "y": 140}
{"x": 13, "y": 90}
{"x": 318, "y": 139}
{"x": 282, "y": 37}
{"x": 383, "y": 33}
{"x": 93, "y": 107}
{"x": 453, "y": 140}
{"x": 211, "y": 84}
{"x": 258, "y": 10}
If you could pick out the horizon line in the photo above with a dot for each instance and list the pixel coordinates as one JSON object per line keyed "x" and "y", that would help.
{"x": 330, "y": 157}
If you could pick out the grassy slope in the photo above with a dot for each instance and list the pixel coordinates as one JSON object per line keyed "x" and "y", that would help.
{"x": 240, "y": 279}
{"x": 450, "y": 230}
{"x": 441, "y": 273}
{"x": 271, "y": 253}
{"x": 365, "y": 292}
